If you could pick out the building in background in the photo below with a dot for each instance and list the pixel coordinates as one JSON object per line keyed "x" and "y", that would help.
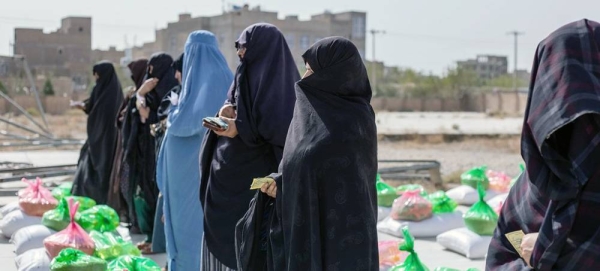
{"x": 65, "y": 52}
{"x": 300, "y": 34}
{"x": 486, "y": 67}
{"x": 112, "y": 54}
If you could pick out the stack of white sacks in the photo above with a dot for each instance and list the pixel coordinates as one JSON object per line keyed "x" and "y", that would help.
{"x": 444, "y": 220}
{"x": 22, "y": 223}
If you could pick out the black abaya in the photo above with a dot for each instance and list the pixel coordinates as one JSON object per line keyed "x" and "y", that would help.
{"x": 140, "y": 146}
{"x": 263, "y": 93}
{"x": 92, "y": 178}
{"x": 326, "y": 211}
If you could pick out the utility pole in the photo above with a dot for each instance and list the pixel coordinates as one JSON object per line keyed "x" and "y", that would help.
{"x": 516, "y": 35}
{"x": 374, "y": 33}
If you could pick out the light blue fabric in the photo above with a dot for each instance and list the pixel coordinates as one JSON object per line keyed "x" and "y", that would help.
{"x": 206, "y": 79}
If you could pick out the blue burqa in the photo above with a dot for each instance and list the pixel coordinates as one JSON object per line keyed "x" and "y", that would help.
{"x": 206, "y": 79}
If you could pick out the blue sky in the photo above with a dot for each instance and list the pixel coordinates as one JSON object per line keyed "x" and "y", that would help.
{"x": 428, "y": 35}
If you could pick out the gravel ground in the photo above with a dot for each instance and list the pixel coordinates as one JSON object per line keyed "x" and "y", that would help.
{"x": 501, "y": 154}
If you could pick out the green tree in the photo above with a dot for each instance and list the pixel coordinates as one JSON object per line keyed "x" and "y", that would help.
{"x": 506, "y": 81}
{"x": 459, "y": 82}
{"x": 48, "y": 88}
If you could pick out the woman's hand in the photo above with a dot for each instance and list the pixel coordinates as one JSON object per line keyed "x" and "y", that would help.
{"x": 227, "y": 111}
{"x": 147, "y": 86}
{"x": 527, "y": 245}
{"x": 122, "y": 114}
{"x": 78, "y": 105}
{"x": 270, "y": 189}
{"x": 231, "y": 131}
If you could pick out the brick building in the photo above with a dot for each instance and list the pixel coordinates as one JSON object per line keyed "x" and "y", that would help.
{"x": 112, "y": 54}
{"x": 65, "y": 52}
{"x": 300, "y": 34}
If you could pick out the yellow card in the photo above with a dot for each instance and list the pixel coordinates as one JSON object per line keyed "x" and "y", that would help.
{"x": 257, "y": 183}
{"x": 515, "y": 238}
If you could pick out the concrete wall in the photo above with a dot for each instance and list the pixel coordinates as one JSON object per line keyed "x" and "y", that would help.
{"x": 496, "y": 103}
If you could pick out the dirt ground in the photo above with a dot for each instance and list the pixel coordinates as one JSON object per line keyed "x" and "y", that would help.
{"x": 68, "y": 126}
{"x": 500, "y": 154}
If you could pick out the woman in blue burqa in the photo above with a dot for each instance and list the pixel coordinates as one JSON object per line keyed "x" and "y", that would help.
{"x": 206, "y": 79}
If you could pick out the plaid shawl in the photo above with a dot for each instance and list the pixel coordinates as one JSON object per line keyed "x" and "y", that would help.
{"x": 559, "y": 195}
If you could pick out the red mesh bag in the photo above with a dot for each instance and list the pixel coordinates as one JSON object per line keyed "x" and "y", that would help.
{"x": 35, "y": 200}
{"x": 73, "y": 236}
{"x": 411, "y": 206}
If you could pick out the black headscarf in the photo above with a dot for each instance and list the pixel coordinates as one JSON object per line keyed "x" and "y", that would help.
{"x": 138, "y": 70}
{"x": 139, "y": 146}
{"x": 163, "y": 71}
{"x": 165, "y": 105}
{"x": 263, "y": 93}
{"x": 264, "y": 75}
{"x": 92, "y": 179}
{"x": 326, "y": 209}
{"x": 178, "y": 63}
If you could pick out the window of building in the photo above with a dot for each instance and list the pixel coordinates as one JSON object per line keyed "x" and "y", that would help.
{"x": 358, "y": 27}
{"x": 290, "y": 38}
{"x": 304, "y": 42}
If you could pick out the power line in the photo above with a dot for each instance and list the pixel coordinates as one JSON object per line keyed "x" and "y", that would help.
{"x": 21, "y": 19}
{"x": 516, "y": 35}
{"x": 445, "y": 38}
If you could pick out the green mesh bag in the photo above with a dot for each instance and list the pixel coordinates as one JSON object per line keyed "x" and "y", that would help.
{"x": 111, "y": 245}
{"x": 70, "y": 259}
{"x": 59, "y": 218}
{"x": 412, "y": 262}
{"x": 474, "y": 176}
{"x": 481, "y": 218}
{"x": 99, "y": 218}
{"x": 441, "y": 203}
{"x": 84, "y": 203}
{"x": 133, "y": 263}
{"x": 386, "y": 194}
{"x": 61, "y": 191}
